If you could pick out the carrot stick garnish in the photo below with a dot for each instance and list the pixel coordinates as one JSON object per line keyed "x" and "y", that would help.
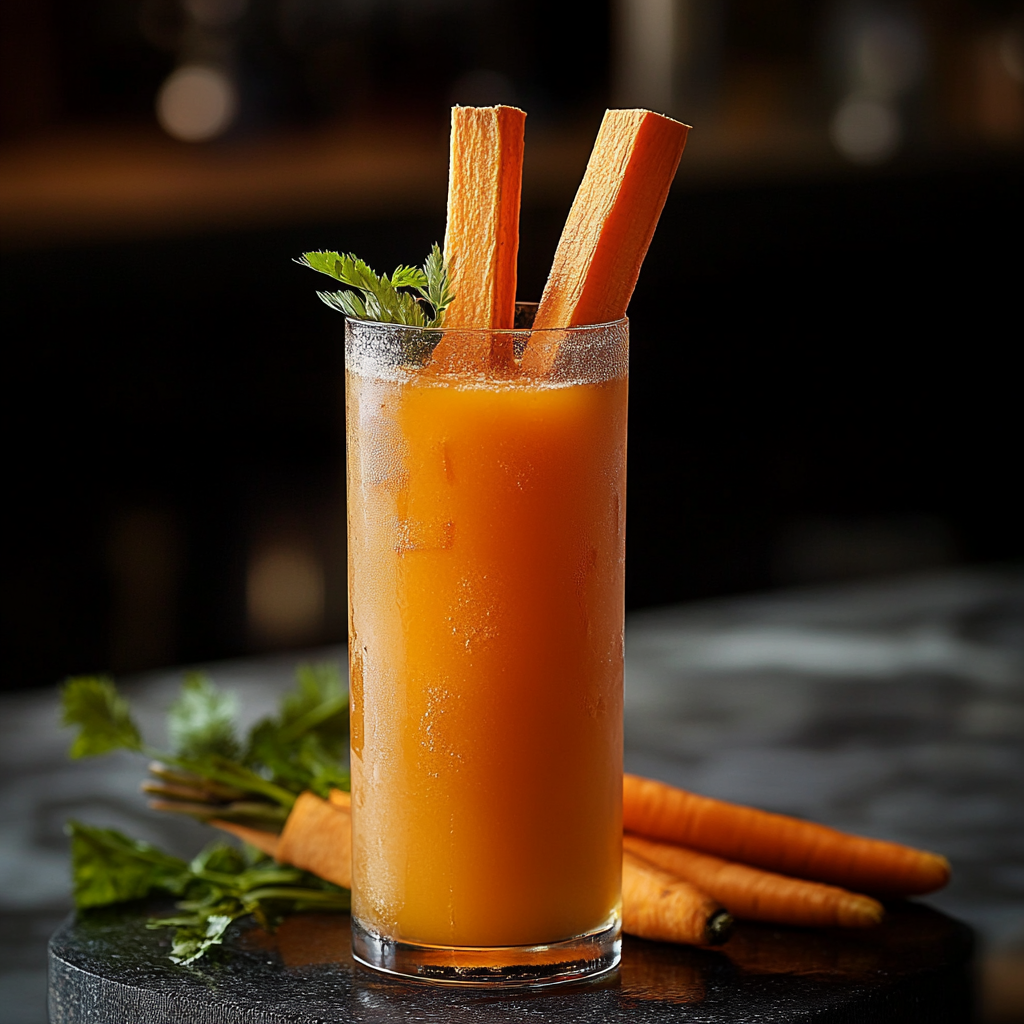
{"x": 777, "y": 842}
{"x": 761, "y": 895}
{"x": 482, "y": 238}
{"x": 317, "y": 837}
{"x": 610, "y": 225}
{"x": 658, "y": 905}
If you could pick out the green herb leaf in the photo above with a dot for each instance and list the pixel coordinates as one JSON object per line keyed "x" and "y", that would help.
{"x": 409, "y": 277}
{"x": 348, "y": 303}
{"x": 108, "y": 867}
{"x": 380, "y": 298}
{"x": 188, "y": 946}
{"x": 305, "y": 747}
{"x": 201, "y": 721}
{"x": 324, "y": 771}
{"x": 324, "y": 262}
{"x": 353, "y": 271}
{"x": 101, "y": 713}
{"x": 318, "y": 703}
{"x": 196, "y": 933}
{"x": 221, "y": 884}
{"x": 220, "y": 858}
{"x": 436, "y": 288}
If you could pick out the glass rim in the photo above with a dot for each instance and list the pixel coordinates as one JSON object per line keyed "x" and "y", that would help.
{"x": 622, "y": 321}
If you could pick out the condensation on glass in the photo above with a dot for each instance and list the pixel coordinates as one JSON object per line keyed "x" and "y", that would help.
{"x": 486, "y": 523}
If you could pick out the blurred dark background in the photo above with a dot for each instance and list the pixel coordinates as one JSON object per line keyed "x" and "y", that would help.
{"x": 822, "y": 374}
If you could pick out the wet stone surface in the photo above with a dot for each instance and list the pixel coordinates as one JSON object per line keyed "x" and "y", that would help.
{"x": 894, "y": 709}
{"x": 107, "y": 968}
{"x": 890, "y": 709}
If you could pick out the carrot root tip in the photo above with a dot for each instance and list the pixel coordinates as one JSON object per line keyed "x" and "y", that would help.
{"x": 719, "y": 928}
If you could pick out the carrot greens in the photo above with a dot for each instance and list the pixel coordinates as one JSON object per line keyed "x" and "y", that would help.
{"x": 304, "y": 747}
{"x": 217, "y": 887}
{"x": 201, "y": 722}
{"x": 102, "y": 715}
{"x": 108, "y": 867}
{"x": 210, "y": 773}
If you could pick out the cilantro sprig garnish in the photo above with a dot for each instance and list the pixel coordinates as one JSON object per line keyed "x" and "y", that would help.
{"x": 211, "y": 773}
{"x": 373, "y": 296}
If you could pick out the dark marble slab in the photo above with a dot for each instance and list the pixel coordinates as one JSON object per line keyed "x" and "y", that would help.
{"x": 892, "y": 708}
{"x": 106, "y": 967}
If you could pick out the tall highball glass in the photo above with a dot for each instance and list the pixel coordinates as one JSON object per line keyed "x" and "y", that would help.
{"x": 486, "y": 533}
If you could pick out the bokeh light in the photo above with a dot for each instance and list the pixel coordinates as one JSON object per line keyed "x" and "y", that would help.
{"x": 285, "y": 593}
{"x": 866, "y": 131}
{"x": 197, "y": 103}
{"x": 215, "y": 13}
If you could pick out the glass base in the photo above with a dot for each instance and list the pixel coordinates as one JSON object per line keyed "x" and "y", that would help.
{"x": 554, "y": 963}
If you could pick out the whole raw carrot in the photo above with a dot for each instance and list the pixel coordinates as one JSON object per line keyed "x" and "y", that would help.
{"x": 339, "y": 798}
{"x": 758, "y": 895}
{"x": 655, "y": 903}
{"x": 317, "y": 837}
{"x": 265, "y": 842}
{"x": 658, "y": 905}
{"x": 777, "y": 842}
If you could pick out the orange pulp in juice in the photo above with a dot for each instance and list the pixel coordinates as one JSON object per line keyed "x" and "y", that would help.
{"x": 486, "y": 568}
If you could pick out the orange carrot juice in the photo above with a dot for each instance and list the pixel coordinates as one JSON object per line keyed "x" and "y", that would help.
{"x": 486, "y": 562}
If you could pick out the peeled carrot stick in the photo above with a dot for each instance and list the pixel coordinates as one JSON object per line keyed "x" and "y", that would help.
{"x": 761, "y": 895}
{"x": 610, "y": 225}
{"x": 658, "y": 905}
{"x": 777, "y": 842}
{"x": 481, "y": 241}
{"x": 482, "y": 237}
